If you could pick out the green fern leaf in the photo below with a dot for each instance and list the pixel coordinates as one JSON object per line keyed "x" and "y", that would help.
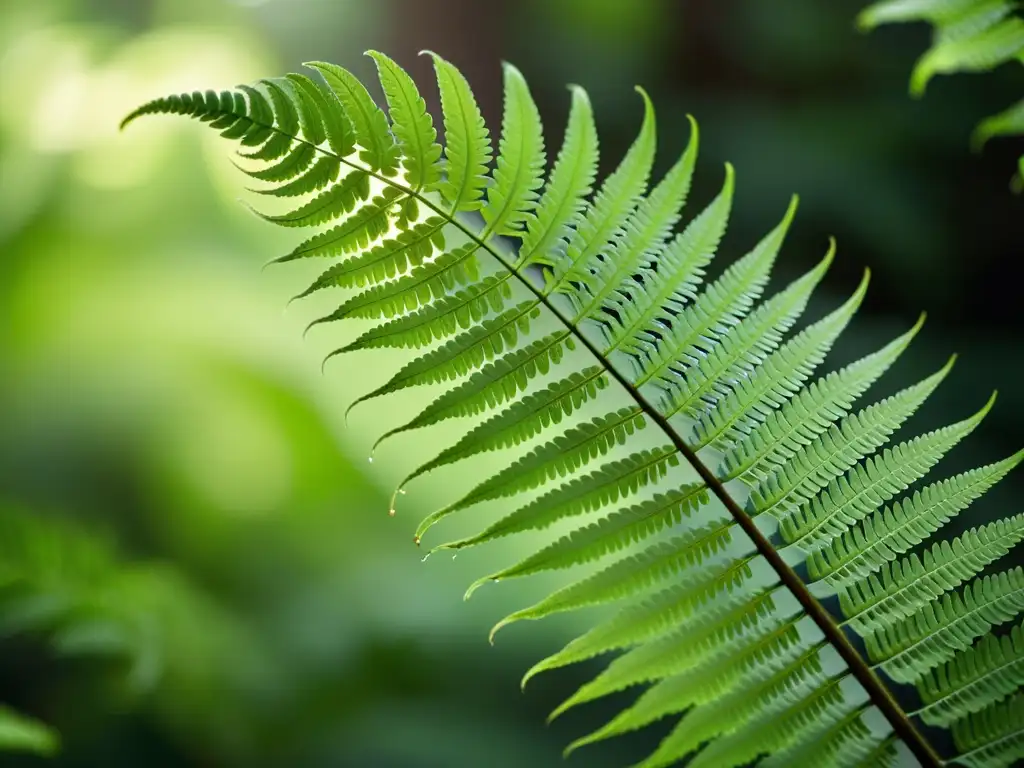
{"x": 902, "y": 526}
{"x": 386, "y": 260}
{"x": 813, "y": 467}
{"x": 610, "y": 534}
{"x": 491, "y": 386}
{"x": 519, "y": 170}
{"x": 678, "y": 457}
{"x": 906, "y": 585}
{"x": 463, "y": 353}
{"x": 968, "y": 36}
{"x": 783, "y": 722}
{"x": 808, "y": 415}
{"x": 323, "y": 171}
{"x": 412, "y": 290}
{"x": 721, "y": 306}
{"x": 838, "y": 734}
{"x": 611, "y": 207}
{"x": 909, "y": 648}
{"x": 468, "y": 144}
{"x": 438, "y": 320}
{"x": 974, "y": 53}
{"x": 413, "y": 126}
{"x": 779, "y": 377}
{"x": 742, "y": 348}
{"x": 372, "y": 133}
{"x": 564, "y": 198}
{"x": 1009, "y": 122}
{"x": 993, "y": 737}
{"x": 669, "y": 281}
{"x": 705, "y": 682}
{"x": 519, "y": 423}
{"x": 799, "y": 665}
{"x": 298, "y": 160}
{"x": 642, "y": 236}
{"x": 327, "y": 206}
{"x": 614, "y": 481}
{"x": 367, "y": 224}
{"x": 865, "y": 488}
{"x": 686, "y": 647}
{"x": 286, "y": 116}
{"x": 559, "y": 457}
{"x": 636, "y": 574}
{"x": 973, "y": 679}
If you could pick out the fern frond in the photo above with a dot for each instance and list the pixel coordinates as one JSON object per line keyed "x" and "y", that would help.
{"x": 973, "y": 679}
{"x": 779, "y": 377}
{"x": 992, "y": 737}
{"x": 636, "y": 574}
{"x": 640, "y": 239}
{"x": 839, "y": 731}
{"x": 412, "y": 125}
{"x": 336, "y": 201}
{"x": 908, "y": 649}
{"x": 968, "y": 36}
{"x": 519, "y": 423}
{"x": 814, "y": 466}
{"x": 372, "y": 132}
{"x": 668, "y": 281}
{"x": 384, "y": 261}
{"x": 798, "y": 667}
{"x": 742, "y": 348}
{"x": 612, "y": 205}
{"x": 978, "y": 52}
{"x": 861, "y": 491}
{"x": 719, "y": 308}
{"x": 672, "y": 441}
{"x": 518, "y": 173}
{"x": 493, "y": 385}
{"x": 787, "y": 720}
{"x": 558, "y": 457}
{"x": 611, "y": 533}
{"x": 904, "y": 525}
{"x": 908, "y": 584}
{"x": 685, "y": 647}
{"x": 467, "y": 141}
{"x": 412, "y": 290}
{"x": 464, "y": 353}
{"x": 564, "y": 199}
{"x": 438, "y": 320}
{"x": 808, "y": 415}
{"x": 616, "y": 480}
{"x": 705, "y": 682}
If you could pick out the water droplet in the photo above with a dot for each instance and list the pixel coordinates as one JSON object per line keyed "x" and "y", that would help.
{"x": 370, "y": 459}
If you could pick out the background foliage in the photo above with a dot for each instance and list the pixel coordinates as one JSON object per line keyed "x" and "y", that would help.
{"x": 152, "y": 389}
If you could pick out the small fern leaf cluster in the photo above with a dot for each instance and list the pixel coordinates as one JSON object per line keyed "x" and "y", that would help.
{"x": 70, "y": 588}
{"x": 968, "y": 36}
{"x": 768, "y": 547}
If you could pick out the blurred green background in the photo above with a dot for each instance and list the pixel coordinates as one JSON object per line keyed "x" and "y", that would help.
{"x": 154, "y": 388}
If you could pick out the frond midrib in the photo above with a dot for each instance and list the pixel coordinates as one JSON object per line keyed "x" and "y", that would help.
{"x": 864, "y": 674}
